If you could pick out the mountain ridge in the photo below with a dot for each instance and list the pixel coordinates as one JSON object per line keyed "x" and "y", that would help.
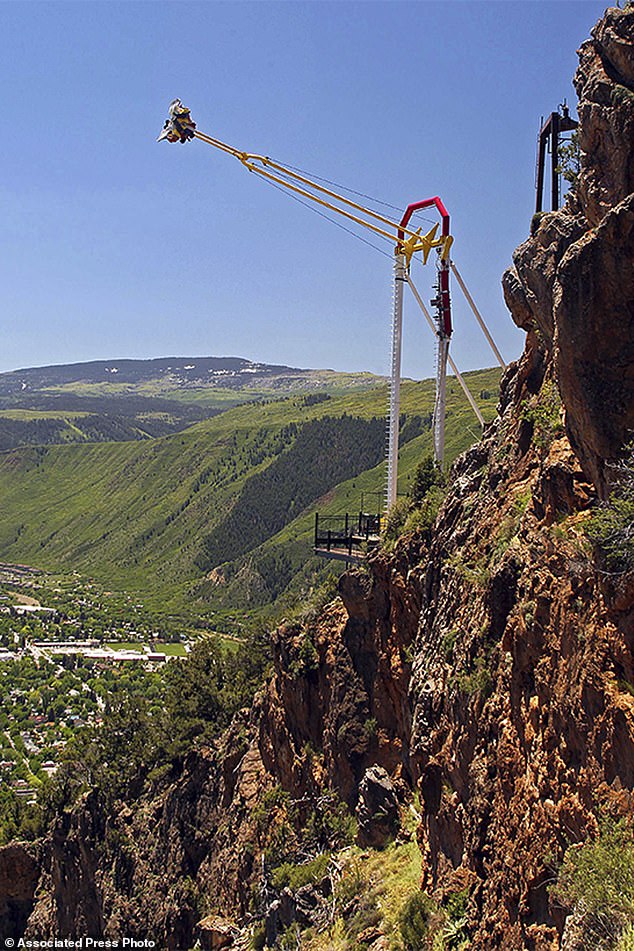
{"x": 138, "y": 370}
{"x": 134, "y": 399}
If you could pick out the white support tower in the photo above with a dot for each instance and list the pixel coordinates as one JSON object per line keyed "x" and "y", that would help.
{"x": 400, "y": 276}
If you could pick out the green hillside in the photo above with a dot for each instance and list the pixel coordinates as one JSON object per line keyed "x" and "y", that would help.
{"x": 283, "y": 570}
{"x": 232, "y": 493}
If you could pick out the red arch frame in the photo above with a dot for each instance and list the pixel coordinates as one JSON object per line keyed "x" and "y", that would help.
{"x": 445, "y": 300}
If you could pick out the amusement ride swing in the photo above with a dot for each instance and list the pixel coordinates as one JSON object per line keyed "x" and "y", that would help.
{"x": 341, "y": 543}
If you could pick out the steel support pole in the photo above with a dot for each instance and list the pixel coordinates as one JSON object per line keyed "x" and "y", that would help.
{"x": 428, "y": 318}
{"x": 478, "y": 316}
{"x": 541, "y": 164}
{"x": 554, "y": 161}
{"x": 400, "y": 276}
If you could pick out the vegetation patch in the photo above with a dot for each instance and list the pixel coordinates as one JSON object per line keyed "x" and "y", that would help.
{"x": 477, "y": 680}
{"x": 418, "y": 510}
{"x": 418, "y": 919}
{"x": 596, "y": 879}
{"x": 294, "y": 877}
{"x": 544, "y": 412}
{"x": 611, "y": 528}
{"x": 570, "y": 155}
{"x": 321, "y": 454}
{"x": 476, "y": 573}
{"x": 305, "y": 659}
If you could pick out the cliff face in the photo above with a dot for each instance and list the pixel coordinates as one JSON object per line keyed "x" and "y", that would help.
{"x": 523, "y": 726}
{"x": 335, "y": 705}
{"x": 572, "y": 281}
{"x": 486, "y": 666}
{"x": 18, "y": 877}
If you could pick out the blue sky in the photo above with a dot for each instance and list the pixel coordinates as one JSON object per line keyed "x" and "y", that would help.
{"x": 113, "y": 245}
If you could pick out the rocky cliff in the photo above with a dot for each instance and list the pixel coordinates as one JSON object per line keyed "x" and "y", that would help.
{"x": 486, "y": 665}
{"x": 523, "y": 721}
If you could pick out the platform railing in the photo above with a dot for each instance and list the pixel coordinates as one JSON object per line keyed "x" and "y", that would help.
{"x": 346, "y": 532}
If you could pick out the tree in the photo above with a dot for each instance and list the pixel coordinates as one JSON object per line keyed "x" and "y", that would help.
{"x": 570, "y": 158}
{"x": 428, "y": 474}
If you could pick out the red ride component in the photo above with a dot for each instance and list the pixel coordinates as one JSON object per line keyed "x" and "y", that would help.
{"x": 445, "y": 300}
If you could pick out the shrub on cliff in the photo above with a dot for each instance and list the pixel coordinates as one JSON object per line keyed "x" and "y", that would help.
{"x": 544, "y": 413}
{"x": 295, "y": 877}
{"x": 626, "y": 941}
{"x": 204, "y": 692}
{"x": 425, "y": 925}
{"x": 596, "y": 879}
{"x": 417, "y": 511}
{"x": 422, "y": 517}
{"x": 414, "y": 921}
{"x": 427, "y": 475}
{"x": 612, "y": 526}
{"x": 395, "y": 521}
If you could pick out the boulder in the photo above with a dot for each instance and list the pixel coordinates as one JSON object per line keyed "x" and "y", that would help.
{"x": 216, "y": 932}
{"x": 377, "y": 810}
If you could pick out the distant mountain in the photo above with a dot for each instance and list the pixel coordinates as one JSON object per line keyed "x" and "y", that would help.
{"x": 173, "y": 370}
{"x": 121, "y": 400}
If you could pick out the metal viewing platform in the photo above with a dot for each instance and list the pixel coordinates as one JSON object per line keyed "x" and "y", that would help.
{"x": 346, "y": 537}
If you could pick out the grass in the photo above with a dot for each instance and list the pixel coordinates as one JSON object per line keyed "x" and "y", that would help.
{"x": 28, "y": 414}
{"x": 379, "y": 891}
{"x": 212, "y": 397}
{"x": 596, "y": 878}
{"x": 611, "y": 527}
{"x": 172, "y": 650}
{"x": 125, "y": 646}
{"x": 598, "y": 874}
{"x": 373, "y": 889}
